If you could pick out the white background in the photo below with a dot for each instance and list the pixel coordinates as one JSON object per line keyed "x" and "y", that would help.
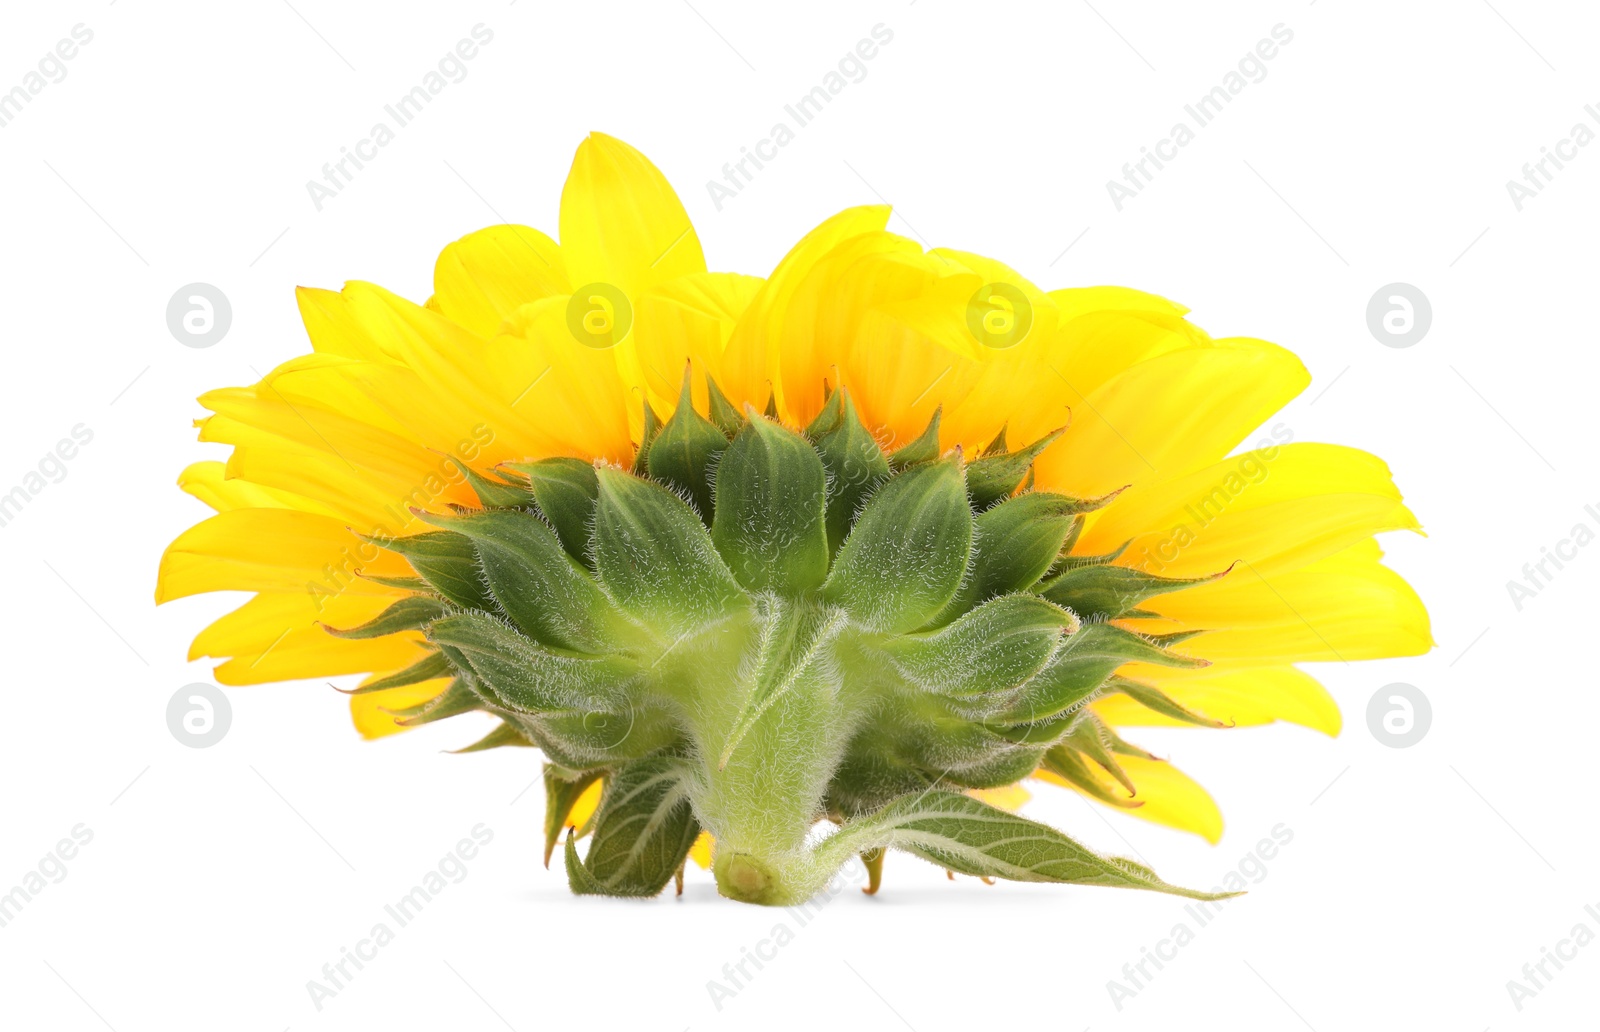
{"x": 1419, "y": 881}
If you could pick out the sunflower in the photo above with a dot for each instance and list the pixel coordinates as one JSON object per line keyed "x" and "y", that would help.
{"x": 871, "y": 541}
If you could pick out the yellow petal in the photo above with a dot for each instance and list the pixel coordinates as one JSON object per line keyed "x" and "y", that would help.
{"x": 261, "y": 622}
{"x": 980, "y": 403}
{"x": 1169, "y": 796}
{"x": 751, "y": 361}
{"x": 575, "y": 392}
{"x": 1244, "y": 697}
{"x": 1010, "y": 797}
{"x": 273, "y": 550}
{"x": 907, "y": 350}
{"x": 461, "y": 371}
{"x": 388, "y": 463}
{"x": 310, "y": 652}
{"x": 1342, "y": 608}
{"x": 392, "y": 397}
{"x": 1099, "y": 333}
{"x": 1276, "y": 507}
{"x": 485, "y": 276}
{"x": 332, "y": 383}
{"x": 621, "y": 221}
{"x": 824, "y": 314}
{"x": 333, "y": 328}
{"x": 365, "y": 503}
{"x": 586, "y": 804}
{"x": 1106, "y": 330}
{"x": 700, "y": 852}
{"x": 208, "y": 482}
{"x": 282, "y": 637}
{"x": 1167, "y": 415}
{"x": 688, "y": 320}
{"x": 370, "y": 712}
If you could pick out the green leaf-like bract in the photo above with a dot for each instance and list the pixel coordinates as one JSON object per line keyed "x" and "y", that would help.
{"x": 752, "y": 629}
{"x": 642, "y": 832}
{"x": 412, "y": 613}
{"x": 562, "y": 788}
{"x": 770, "y": 517}
{"x": 906, "y": 556}
{"x": 968, "y": 835}
{"x": 1108, "y": 592}
{"x": 655, "y": 558}
{"x": 565, "y": 491}
{"x": 546, "y": 593}
{"x": 683, "y": 454}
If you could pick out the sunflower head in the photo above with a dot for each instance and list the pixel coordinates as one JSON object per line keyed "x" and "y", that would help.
{"x": 743, "y": 556}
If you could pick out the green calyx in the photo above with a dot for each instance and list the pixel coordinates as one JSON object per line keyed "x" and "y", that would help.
{"x": 755, "y": 630}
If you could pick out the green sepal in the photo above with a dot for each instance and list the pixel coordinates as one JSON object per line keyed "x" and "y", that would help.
{"x": 872, "y": 772}
{"x": 996, "y": 446}
{"x": 1044, "y": 732}
{"x": 403, "y": 583}
{"x": 1111, "y": 592}
{"x": 1088, "y": 656}
{"x": 1008, "y": 764}
{"x": 1073, "y": 562}
{"x": 1121, "y": 746}
{"x": 455, "y": 700}
{"x": 771, "y": 496}
{"x": 408, "y": 614}
{"x": 828, "y": 418}
{"x": 562, "y": 789}
{"x": 967, "y": 835}
{"x": 998, "y": 475}
{"x": 953, "y": 744}
{"x": 1171, "y": 638}
{"x": 430, "y": 667}
{"x": 565, "y": 490}
{"x": 448, "y": 562}
{"x": 590, "y": 737}
{"x": 522, "y": 676}
{"x": 655, "y": 557}
{"x": 987, "y": 653}
{"x": 652, "y": 427}
{"x": 685, "y": 451}
{"x": 642, "y": 832}
{"x": 724, "y": 413}
{"x": 579, "y": 879}
{"x": 1153, "y": 698}
{"x": 924, "y": 449}
{"x": 548, "y": 595}
{"x": 855, "y": 465}
{"x": 906, "y": 556}
{"x": 1092, "y": 739}
{"x": 1014, "y": 545}
{"x": 505, "y": 734}
{"x": 1068, "y": 765}
{"x": 495, "y": 495}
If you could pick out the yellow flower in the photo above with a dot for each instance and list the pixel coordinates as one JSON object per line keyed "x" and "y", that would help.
{"x": 529, "y": 349}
